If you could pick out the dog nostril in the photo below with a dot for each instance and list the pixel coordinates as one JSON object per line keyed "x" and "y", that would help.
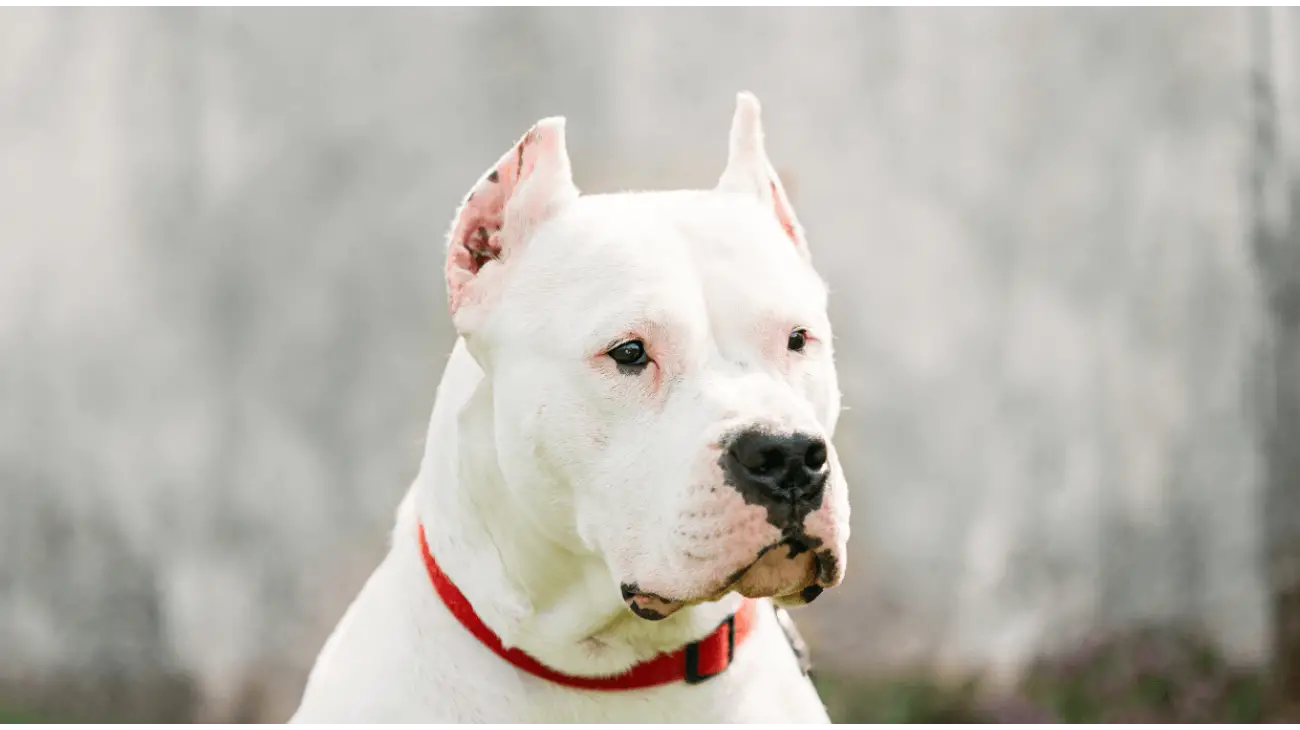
{"x": 773, "y": 459}
{"x": 815, "y": 457}
{"x": 786, "y": 473}
{"x": 762, "y": 460}
{"x": 765, "y": 456}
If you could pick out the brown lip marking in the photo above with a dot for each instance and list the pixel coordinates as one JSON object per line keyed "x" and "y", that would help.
{"x": 493, "y": 176}
{"x": 795, "y": 539}
{"x": 736, "y": 576}
{"x": 799, "y": 543}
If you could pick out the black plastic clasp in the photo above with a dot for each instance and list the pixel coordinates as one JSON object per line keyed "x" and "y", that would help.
{"x": 693, "y": 675}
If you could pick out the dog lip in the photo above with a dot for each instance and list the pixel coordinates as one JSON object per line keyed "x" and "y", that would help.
{"x": 797, "y": 546}
{"x": 826, "y": 570}
{"x": 823, "y": 575}
{"x": 632, "y": 590}
{"x": 646, "y": 605}
{"x": 645, "y": 613}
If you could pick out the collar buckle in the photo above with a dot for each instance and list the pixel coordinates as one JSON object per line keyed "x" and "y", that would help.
{"x": 693, "y": 673}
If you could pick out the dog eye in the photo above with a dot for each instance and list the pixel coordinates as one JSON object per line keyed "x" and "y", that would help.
{"x": 630, "y": 354}
{"x": 798, "y": 339}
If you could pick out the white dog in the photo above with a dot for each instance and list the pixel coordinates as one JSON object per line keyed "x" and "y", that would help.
{"x": 628, "y": 466}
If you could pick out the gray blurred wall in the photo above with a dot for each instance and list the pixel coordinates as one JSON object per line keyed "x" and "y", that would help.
{"x": 222, "y": 315}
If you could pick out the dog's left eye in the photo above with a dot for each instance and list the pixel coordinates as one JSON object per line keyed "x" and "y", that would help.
{"x": 630, "y": 354}
{"x": 798, "y": 340}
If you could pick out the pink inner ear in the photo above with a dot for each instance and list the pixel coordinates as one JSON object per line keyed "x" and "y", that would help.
{"x": 784, "y": 215}
{"x": 477, "y": 237}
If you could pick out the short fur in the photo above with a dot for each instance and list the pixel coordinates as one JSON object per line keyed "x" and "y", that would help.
{"x": 557, "y": 486}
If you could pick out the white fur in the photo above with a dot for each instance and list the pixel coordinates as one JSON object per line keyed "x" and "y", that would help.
{"x": 550, "y": 477}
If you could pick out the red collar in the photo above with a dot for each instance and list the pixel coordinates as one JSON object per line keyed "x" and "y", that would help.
{"x": 692, "y": 663}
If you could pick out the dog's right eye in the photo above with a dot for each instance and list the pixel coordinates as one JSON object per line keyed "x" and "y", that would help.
{"x": 630, "y": 354}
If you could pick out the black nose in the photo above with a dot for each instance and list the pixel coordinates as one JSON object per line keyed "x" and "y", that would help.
{"x": 787, "y": 471}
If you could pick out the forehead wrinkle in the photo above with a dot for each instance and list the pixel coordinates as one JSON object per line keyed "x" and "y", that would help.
{"x": 677, "y": 262}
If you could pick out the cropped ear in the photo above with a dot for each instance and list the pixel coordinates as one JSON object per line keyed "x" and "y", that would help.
{"x": 528, "y": 186}
{"x": 749, "y": 171}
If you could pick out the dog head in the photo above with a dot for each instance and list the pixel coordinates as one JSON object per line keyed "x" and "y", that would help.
{"x": 663, "y": 386}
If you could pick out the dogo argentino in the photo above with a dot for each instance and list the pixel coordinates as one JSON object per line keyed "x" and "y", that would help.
{"x": 628, "y": 472}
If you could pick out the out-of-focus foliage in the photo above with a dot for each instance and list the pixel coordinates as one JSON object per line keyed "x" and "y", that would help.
{"x": 1148, "y": 675}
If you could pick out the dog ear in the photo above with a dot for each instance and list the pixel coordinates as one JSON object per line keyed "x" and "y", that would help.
{"x": 525, "y": 188}
{"x": 750, "y": 172}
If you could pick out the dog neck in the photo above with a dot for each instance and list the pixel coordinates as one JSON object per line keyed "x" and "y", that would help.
{"x": 547, "y": 595}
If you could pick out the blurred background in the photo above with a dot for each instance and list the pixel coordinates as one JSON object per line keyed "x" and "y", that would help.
{"x": 1065, "y": 277}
